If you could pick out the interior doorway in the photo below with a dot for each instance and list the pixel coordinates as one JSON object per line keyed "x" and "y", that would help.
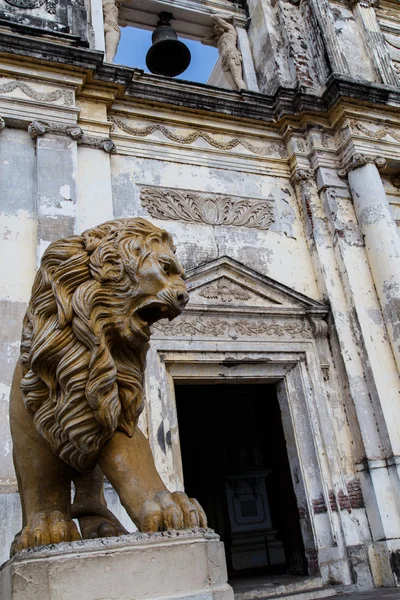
{"x": 235, "y": 463}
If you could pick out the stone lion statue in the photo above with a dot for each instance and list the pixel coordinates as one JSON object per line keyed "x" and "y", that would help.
{"x": 77, "y": 391}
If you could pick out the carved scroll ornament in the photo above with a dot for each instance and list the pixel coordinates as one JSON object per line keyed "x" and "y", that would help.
{"x": 212, "y": 209}
{"x": 216, "y": 327}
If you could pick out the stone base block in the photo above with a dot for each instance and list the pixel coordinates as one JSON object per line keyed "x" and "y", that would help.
{"x": 171, "y": 565}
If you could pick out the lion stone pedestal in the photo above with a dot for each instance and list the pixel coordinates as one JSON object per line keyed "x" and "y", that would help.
{"x": 187, "y": 564}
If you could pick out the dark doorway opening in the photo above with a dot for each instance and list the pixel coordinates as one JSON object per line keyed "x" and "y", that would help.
{"x": 236, "y": 464}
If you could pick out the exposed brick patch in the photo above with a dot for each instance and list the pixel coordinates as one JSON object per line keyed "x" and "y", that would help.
{"x": 355, "y": 494}
{"x": 319, "y": 505}
{"x": 332, "y": 501}
{"x": 344, "y": 501}
{"x": 302, "y": 512}
{"x": 312, "y": 560}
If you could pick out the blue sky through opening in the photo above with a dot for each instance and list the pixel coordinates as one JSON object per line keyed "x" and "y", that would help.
{"x": 135, "y": 43}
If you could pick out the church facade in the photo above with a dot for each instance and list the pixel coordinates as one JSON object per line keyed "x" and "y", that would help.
{"x": 275, "y": 397}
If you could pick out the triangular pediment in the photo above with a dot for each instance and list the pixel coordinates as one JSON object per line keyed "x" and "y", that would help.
{"x": 225, "y": 283}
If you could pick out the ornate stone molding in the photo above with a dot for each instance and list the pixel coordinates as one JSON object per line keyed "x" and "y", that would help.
{"x": 103, "y": 144}
{"x": 378, "y": 134}
{"x": 2, "y": 124}
{"x": 360, "y": 160}
{"x": 50, "y": 5}
{"x": 225, "y": 290}
{"x": 212, "y": 209}
{"x": 37, "y": 128}
{"x": 193, "y": 136}
{"x": 65, "y": 95}
{"x": 235, "y": 328}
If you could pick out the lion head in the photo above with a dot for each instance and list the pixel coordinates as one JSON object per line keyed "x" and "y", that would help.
{"x": 86, "y": 333}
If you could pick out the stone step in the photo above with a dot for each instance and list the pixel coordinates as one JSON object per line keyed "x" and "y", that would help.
{"x": 297, "y": 589}
{"x": 301, "y": 595}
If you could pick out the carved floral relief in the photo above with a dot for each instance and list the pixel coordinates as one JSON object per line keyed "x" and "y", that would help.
{"x": 211, "y": 209}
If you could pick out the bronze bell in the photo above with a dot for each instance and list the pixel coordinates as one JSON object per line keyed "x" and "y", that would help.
{"x": 167, "y": 55}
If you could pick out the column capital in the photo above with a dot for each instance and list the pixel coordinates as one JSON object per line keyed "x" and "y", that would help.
{"x": 303, "y": 175}
{"x": 360, "y": 160}
{"x": 38, "y": 128}
{"x": 367, "y": 3}
{"x": 2, "y": 124}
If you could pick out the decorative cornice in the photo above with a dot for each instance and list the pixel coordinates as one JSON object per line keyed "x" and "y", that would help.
{"x": 211, "y": 209}
{"x": 360, "y": 160}
{"x": 194, "y": 135}
{"x": 38, "y": 128}
{"x": 140, "y": 86}
{"x": 60, "y": 94}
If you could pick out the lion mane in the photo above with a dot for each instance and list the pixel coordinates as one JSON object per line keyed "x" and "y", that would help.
{"x": 78, "y": 385}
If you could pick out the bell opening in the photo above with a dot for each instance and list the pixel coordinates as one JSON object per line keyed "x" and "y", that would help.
{"x": 167, "y": 56}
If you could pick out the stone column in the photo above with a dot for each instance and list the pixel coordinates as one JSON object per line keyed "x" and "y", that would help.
{"x": 382, "y": 241}
{"x": 56, "y": 193}
{"x": 379, "y": 479}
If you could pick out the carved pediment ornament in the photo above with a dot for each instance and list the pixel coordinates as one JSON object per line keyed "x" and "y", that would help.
{"x": 193, "y": 136}
{"x": 211, "y": 209}
{"x": 225, "y": 290}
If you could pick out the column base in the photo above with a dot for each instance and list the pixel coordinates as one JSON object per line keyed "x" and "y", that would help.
{"x": 175, "y": 565}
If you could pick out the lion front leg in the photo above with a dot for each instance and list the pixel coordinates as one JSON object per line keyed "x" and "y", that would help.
{"x": 129, "y": 465}
{"x": 90, "y": 507}
{"x": 44, "y": 481}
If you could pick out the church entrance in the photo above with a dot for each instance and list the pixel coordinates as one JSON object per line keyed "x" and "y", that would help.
{"x": 235, "y": 463}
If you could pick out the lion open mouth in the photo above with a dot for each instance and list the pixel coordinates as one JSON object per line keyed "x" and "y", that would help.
{"x": 155, "y": 311}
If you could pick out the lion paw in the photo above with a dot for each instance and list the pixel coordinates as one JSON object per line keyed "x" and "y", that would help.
{"x": 46, "y": 528}
{"x": 171, "y": 511}
{"x": 99, "y": 527}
